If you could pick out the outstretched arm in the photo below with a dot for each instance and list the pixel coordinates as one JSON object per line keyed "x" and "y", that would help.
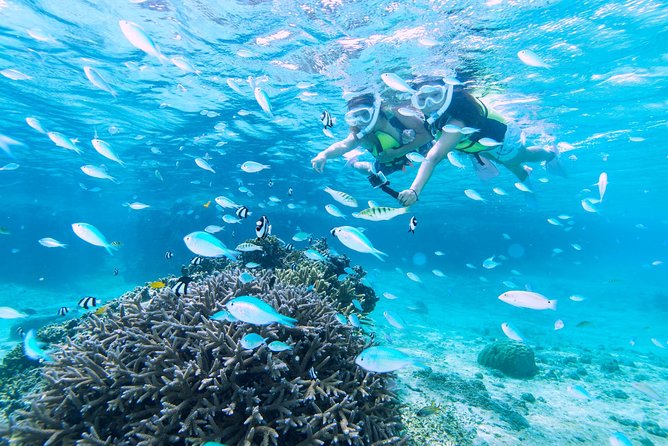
{"x": 336, "y": 149}
{"x": 443, "y": 146}
{"x": 421, "y": 137}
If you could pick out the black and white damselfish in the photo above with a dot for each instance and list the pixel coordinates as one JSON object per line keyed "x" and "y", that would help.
{"x": 62, "y": 311}
{"x": 242, "y": 212}
{"x": 181, "y": 286}
{"x": 327, "y": 120}
{"x": 412, "y": 224}
{"x": 197, "y": 261}
{"x": 169, "y": 255}
{"x": 88, "y": 302}
{"x": 262, "y": 227}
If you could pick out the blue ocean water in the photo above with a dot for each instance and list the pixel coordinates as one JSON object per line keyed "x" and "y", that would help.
{"x": 603, "y": 102}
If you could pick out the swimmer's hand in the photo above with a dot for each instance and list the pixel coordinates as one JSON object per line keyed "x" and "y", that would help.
{"x": 407, "y": 197}
{"x": 407, "y": 136}
{"x": 318, "y": 163}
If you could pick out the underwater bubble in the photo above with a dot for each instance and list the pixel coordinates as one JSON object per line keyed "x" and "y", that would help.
{"x": 419, "y": 259}
{"x": 516, "y": 250}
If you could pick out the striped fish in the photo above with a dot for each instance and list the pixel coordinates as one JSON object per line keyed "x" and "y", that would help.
{"x": 62, "y": 311}
{"x": 380, "y": 213}
{"x": 242, "y": 212}
{"x": 327, "y": 120}
{"x": 248, "y": 247}
{"x": 196, "y": 261}
{"x": 88, "y": 302}
{"x": 21, "y": 332}
{"x": 342, "y": 197}
{"x": 181, "y": 285}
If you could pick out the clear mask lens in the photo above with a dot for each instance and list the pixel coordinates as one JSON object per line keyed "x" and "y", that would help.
{"x": 428, "y": 95}
{"x": 358, "y": 117}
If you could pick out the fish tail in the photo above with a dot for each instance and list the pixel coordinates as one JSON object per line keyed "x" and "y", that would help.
{"x": 418, "y": 363}
{"x": 553, "y": 305}
{"x": 110, "y": 249}
{"x": 378, "y": 254}
{"x": 288, "y": 321}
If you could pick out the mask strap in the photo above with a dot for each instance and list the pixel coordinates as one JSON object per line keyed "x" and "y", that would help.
{"x": 374, "y": 118}
{"x": 448, "y": 99}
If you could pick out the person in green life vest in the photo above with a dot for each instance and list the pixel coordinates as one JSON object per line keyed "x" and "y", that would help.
{"x": 387, "y": 135}
{"x": 458, "y": 121}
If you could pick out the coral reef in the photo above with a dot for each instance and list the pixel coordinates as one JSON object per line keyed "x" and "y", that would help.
{"x": 158, "y": 370}
{"x": 513, "y": 358}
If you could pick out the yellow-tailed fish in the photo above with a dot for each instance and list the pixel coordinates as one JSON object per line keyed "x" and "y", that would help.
{"x": 380, "y": 213}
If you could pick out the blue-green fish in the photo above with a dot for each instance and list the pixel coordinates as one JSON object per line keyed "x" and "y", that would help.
{"x": 92, "y": 235}
{"x": 354, "y": 320}
{"x": 357, "y": 304}
{"x": 355, "y": 240}
{"x": 32, "y": 348}
{"x": 206, "y": 245}
{"x": 246, "y": 278}
{"x": 278, "y": 346}
{"x": 385, "y": 359}
{"x": 312, "y": 254}
{"x": 255, "y": 311}
{"x": 341, "y": 318}
{"x": 251, "y": 341}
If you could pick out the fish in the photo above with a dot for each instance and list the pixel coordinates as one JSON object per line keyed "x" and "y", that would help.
{"x": 584, "y": 324}
{"x": 253, "y": 167}
{"x": 530, "y": 58}
{"x": 473, "y": 195}
{"x": 231, "y": 219}
{"x": 579, "y": 392}
{"x": 98, "y": 81}
{"x": 252, "y": 265}
{"x": 602, "y": 185}
{"x": 137, "y": 206}
{"x": 242, "y": 212}
{"x": 619, "y": 439}
{"x": 51, "y": 243}
{"x": 334, "y": 211}
{"x": 213, "y": 229}
{"x": 512, "y": 332}
{"x": 251, "y": 341}
{"x": 140, "y": 40}
{"x": 10, "y": 313}
{"x": 262, "y": 227}
{"x": 116, "y": 244}
{"x": 499, "y": 191}
{"x": 35, "y": 124}
{"x": 185, "y": 66}
{"x": 380, "y": 213}
{"x": 647, "y": 390}
{"x": 263, "y": 100}
{"x": 246, "y": 278}
{"x": 202, "y": 163}
{"x": 588, "y": 205}
{"x": 32, "y": 349}
{"x": 314, "y": 255}
{"x": 438, "y": 273}
{"x": 576, "y": 298}
{"x": 558, "y": 324}
{"x": 381, "y": 359}
{"x": 196, "y": 261}
{"x": 207, "y": 204}
{"x": 414, "y": 277}
{"x": 354, "y": 239}
{"x": 62, "y": 311}
{"x": 98, "y": 172}
{"x": 396, "y": 83}
{"x": 290, "y": 191}
{"x": 354, "y": 320}
{"x": 180, "y": 288}
{"x": 490, "y": 263}
{"x": 357, "y": 304}
{"x": 61, "y": 141}
{"x": 257, "y": 312}
{"x": 10, "y": 167}
{"x": 341, "y": 197}
{"x": 248, "y": 247}
{"x": 395, "y": 320}
{"x": 279, "y": 346}
{"x": 522, "y": 187}
{"x": 428, "y": 410}
{"x": 169, "y": 255}
{"x": 204, "y": 244}
{"x": 554, "y": 221}
{"x": 415, "y": 157}
{"x": 225, "y": 202}
{"x": 15, "y": 75}
{"x": 341, "y": 319}
{"x": 528, "y": 299}
{"x": 327, "y": 120}
{"x": 88, "y": 302}
{"x": 301, "y": 236}
{"x": 20, "y": 332}
{"x": 157, "y": 285}
{"x": 92, "y": 235}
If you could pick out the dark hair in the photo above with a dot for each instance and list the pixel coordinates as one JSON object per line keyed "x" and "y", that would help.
{"x": 464, "y": 106}
{"x": 364, "y": 99}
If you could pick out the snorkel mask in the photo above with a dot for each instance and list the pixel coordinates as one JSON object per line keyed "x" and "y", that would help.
{"x": 364, "y": 116}
{"x": 428, "y": 95}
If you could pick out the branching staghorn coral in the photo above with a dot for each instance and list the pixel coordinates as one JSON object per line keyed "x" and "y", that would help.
{"x": 160, "y": 371}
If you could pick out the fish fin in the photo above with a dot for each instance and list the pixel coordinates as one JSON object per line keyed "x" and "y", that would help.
{"x": 110, "y": 249}
{"x": 378, "y": 254}
{"x": 553, "y": 305}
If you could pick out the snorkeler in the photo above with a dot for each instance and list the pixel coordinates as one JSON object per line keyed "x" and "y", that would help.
{"x": 386, "y": 135}
{"x": 458, "y": 121}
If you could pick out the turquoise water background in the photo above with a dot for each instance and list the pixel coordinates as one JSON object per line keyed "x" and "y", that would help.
{"x": 604, "y": 100}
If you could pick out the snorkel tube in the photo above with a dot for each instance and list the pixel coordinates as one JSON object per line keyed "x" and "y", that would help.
{"x": 376, "y": 112}
{"x": 448, "y": 99}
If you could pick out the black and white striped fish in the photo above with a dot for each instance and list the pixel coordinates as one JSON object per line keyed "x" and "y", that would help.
{"x": 412, "y": 224}
{"x": 262, "y": 227}
{"x": 62, "y": 311}
{"x": 21, "y": 332}
{"x": 88, "y": 302}
{"x": 327, "y": 120}
{"x": 289, "y": 247}
{"x": 169, "y": 255}
{"x": 242, "y": 212}
{"x": 196, "y": 261}
{"x": 181, "y": 286}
